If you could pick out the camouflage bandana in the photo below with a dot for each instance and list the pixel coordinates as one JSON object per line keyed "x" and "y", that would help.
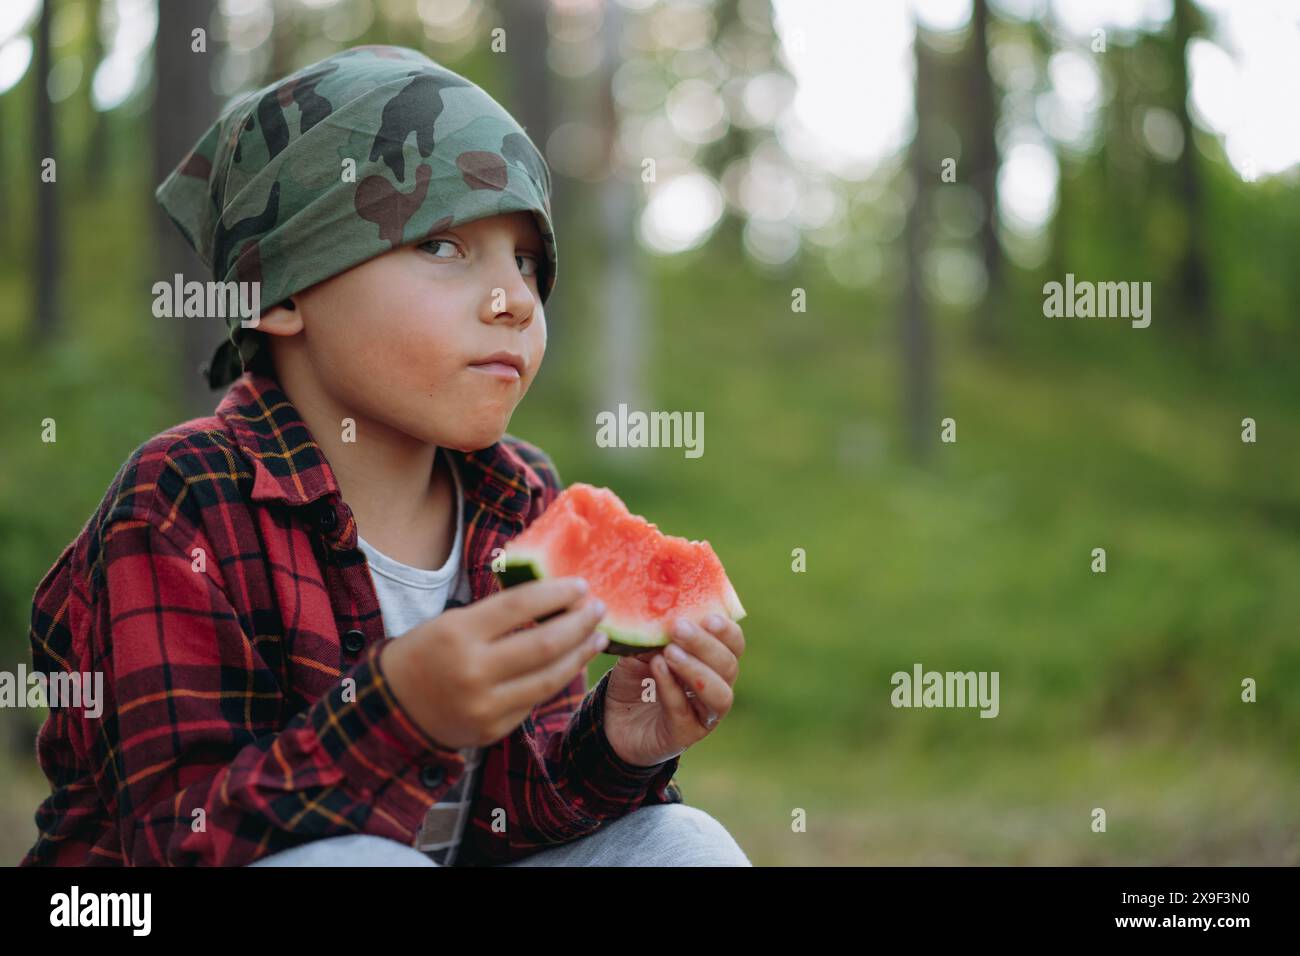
{"x": 367, "y": 150}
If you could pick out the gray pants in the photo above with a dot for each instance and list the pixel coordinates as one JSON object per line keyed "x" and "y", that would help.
{"x": 660, "y": 834}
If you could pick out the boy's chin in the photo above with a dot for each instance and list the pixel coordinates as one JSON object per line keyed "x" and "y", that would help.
{"x": 475, "y": 441}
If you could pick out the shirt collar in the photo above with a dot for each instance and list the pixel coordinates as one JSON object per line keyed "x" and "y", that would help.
{"x": 289, "y": 467}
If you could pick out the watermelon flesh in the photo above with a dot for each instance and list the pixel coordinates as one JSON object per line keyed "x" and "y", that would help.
{"x": 647, "y": 579}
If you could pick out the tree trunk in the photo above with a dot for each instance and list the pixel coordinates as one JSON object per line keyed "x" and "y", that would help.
{"x": 184, "y": 106}
{"x": 620, "y": 365}
{"x": 284, "y": 37}
{"x": 1193, "y": 277}
{"x": 95, "y": 153}
{"x": 49, "y": 318}
{"x": 6, "y": 243}
{"x": 981, "y": 124}
{"x": 532, "y": 103}
{"x": 918, "y": 358}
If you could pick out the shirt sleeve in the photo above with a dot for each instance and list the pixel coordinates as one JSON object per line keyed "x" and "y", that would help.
{"x": 560, "y": 780}
{"x": 193, "y": 757}
{"x": 564, "y": 779}
{"x": 589, "y": 775}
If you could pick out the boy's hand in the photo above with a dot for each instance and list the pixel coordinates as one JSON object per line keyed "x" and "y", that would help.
{"x": 692, "y": 696}
{"x": 469, "y": 677}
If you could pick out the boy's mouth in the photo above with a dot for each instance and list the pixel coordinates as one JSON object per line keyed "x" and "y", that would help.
{"x": 503, "y": 364}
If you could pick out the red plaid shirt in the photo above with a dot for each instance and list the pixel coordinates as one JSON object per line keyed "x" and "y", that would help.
{"x": 245, "y": 707}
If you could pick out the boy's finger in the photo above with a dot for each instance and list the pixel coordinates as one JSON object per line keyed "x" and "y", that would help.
{"x": 531, "y": 689}
{"x": 534, "y": 649}
{"x": 512, "y": 608}
{"x": 727, "y": 631}
{"x": 671, "y": 696}
{"x": 707, "y": 648}
{"x": 708, "y": 685}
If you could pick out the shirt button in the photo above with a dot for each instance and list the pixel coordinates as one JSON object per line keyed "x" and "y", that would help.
{"x": 327, "y": 518}
{"x": 432, "y": 776}
{"x": 354, "y": 641}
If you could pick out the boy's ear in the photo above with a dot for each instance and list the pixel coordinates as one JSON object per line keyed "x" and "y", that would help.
{"x": 282, "y": 319}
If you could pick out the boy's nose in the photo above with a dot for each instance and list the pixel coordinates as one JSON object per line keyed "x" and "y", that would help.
{"x": 511, "y": 303}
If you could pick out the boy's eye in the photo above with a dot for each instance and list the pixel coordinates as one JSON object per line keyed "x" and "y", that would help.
{"x": 526, "y": 258}
{"x": 437, "y": 242}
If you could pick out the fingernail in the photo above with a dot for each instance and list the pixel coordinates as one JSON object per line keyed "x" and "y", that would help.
{"x": 598, "y": 607}
{"x": 600, "y": 641}
{"x": 714, "y": 621}
{"x": 581, "y": 584}
{"x": 676, "y": 653}
{"x": 683, "y": 627}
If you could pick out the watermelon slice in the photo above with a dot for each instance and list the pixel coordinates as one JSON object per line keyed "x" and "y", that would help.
{"x": 647, "y": 579}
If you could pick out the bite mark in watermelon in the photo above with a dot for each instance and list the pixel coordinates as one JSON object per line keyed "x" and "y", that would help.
{"x": 647, "y": 579}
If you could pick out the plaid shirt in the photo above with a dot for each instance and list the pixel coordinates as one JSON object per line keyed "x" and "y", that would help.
{"x": 245, "y": 706}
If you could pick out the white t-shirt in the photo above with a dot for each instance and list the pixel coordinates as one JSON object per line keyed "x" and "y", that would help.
{"x": 408, "y": 596}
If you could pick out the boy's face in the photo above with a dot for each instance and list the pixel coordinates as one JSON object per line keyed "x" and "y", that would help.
{"x": 398, "y": 339}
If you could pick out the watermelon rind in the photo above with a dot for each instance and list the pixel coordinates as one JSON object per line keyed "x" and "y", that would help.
{"x": 731, "y": 600}
{"x": 519, "y": 569}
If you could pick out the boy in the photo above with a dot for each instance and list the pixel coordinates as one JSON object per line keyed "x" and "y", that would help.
{"x": 238, "y": 585}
